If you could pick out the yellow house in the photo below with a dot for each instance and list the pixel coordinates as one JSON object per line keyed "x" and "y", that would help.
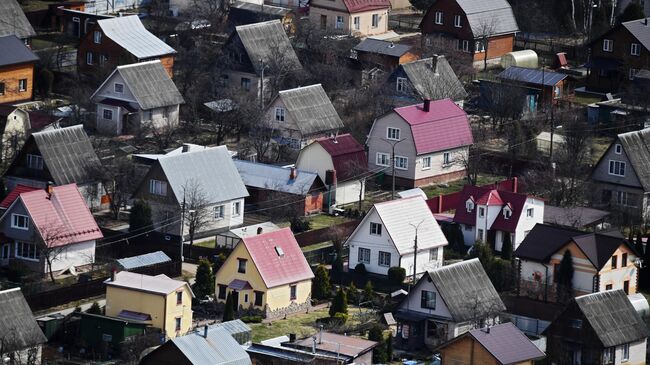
{"x": 266, "y": 272}
{"x": 164, "y": 302}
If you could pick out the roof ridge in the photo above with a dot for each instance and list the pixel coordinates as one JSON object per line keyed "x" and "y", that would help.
{"x": 256, "y": 25}
{"x": 138, "y": 64}
{"x": 57, "y": 130}
{"x": 300, "y": 88}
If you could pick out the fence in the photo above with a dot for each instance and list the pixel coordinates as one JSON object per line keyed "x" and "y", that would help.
{"x": 340, "y": 231}
{"x": 548, "y": 48}
{"x": 530, "y": 326}
{"x": 444, "y": 203}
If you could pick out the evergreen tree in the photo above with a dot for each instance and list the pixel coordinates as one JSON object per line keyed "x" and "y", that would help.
{"x": 389, "y": 346}
{"x": 140, "y": 217}
{"x": 368, "y": 291}
{"x": 632, "y": 11}
{"x": 228, "y": 310}
{"x": 3, "y": 190}
{"x": 506, "y": 248}
{"x": 204, "y": 284}
{"x": 353, "y": 293}
{"x": 337, "y": 269}
{"x": 340, "y": 303}
{"x": 320, "y": 285}
{"x": 379, "y": 354}
{"x": 94, "y": 309}
{"x": 565, "y": 278}
{"x": 484, "y": 254}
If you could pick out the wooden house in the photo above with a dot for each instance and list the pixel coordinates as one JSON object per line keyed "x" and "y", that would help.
{"x": 16, "y": 70}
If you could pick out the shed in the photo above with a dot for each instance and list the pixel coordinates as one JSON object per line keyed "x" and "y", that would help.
{"x": 239, "y": 330}
{"x": 526, "y": 58}
{"x": 95, "y": 330}
{"x": 148, "y": 259}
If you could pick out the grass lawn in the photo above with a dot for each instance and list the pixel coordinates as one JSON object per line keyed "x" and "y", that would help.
{"x": 324, "y": 220}
{"x": 598, "y": 146}
{"x": 585, "y": 99}
{"x": 317, "y": 246}
{"x": 208, "y": 244}
{"x": 454, "y": 186}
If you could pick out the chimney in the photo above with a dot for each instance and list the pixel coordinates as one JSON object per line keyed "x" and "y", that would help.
{"x": 113, "y": 273}
{"x": 426, "y": 106}
{"x": 645, "y": 22}
{"x": 48, "y": 188}
{"x": 186, "y": 148}
{"x": 515, "y": 182}
{"x": 320, "y": 334}
{"x": 205, "y": 331}
{"x": 259, "y": 230}
{"x": 292, "y": 337}
{"x": 293, "y": 174}
{"x": 392, "y": 45}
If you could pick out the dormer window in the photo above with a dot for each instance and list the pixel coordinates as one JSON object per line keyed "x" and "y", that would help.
{"x": 469, "y": 205}
{"x": 279, "y": 251}
{"x": 507, "y": 213}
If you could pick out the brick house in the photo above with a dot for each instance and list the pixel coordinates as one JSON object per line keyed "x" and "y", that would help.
{"x": 360, "y": 18}
{"x": 16, "y": 70}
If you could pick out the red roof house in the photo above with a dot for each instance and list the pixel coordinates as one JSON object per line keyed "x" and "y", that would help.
{"x": 353, "y": 17}
{"x": 13, "y": 195}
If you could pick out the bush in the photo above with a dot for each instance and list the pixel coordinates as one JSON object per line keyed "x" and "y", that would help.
{"x": 94, "y": 309}
{"x": 396, "y": 275}
{"x": 228, "y": 310}
{"x": 360, "y": 269}
{"x": 353, "y": 293}
{"x": 140, "y": 217}
{"x": 299, "y": 224}
{"x": 368, "y": 291}
{"x": 379, "y": 355}
{"x": 337, "y": 269}
{"x": 341, "y": 318}
{"x": 320, "y": 286}
{"x": 339, "y": 304}
{"x": 251, "y": 319}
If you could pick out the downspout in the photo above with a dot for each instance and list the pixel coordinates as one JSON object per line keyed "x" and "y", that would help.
{"x": 546, "y": 284}
{"x": 165, "y": 315}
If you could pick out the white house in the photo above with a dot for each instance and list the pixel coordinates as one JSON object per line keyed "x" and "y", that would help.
{"x": 386, "y": 237}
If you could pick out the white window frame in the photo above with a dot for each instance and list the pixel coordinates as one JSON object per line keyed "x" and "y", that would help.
{"x": 364, "y": 255}
{"x": 121, "y": 88}
{"x": 375, "y": 229}
{"x": 381, "y": 157}
{"x": 608, "y": 355}
{"x": 479, "y": 47}
{"x": 157, "y": 187}
{"x": 635, "y": 49}
{"x": 339, "y": 22}
{"x": 245, "y": 83}
{"x": 104, "y": 111}
{"x": 399, "y": 166}
{"x": 617, "y": 168}
{"x": 608, "y": 45}
{"x": 433, "y": 254}
{"x": 465, "y": 45}
{"x": 236, "y": 209}
{"x": 625, "y": 352}
{"x": 384, "y": 259}
{"x": 15, "y": 220}
{"x": 618, "y": 149}
{"x": 400, "y": 85}
{"x": 219, "y": 212}
{"x": 22, "y": 85}
{"x": 479, "y": 235}
{"x": 357, "y": 22}
{"x": 469, "y": 205}
{"x": 34, "y": 161}
{"x": 393, "y": 133}
{"x": 439, "y": 18}
{"x": 89, "y": 58}
{"x": 97, "y": 37}
{"x": 481, "y": 212}
{"x": 21, "y": 244}
{"x": 530, "y": 212}
{"x": 375, "y": 20}
{"x": 426, "y": 163}
{"x": 446, "y": 158}
{"x": 458, "y": 21}
{"x": 507, "y": 213}
{"x": 279, "y": 114}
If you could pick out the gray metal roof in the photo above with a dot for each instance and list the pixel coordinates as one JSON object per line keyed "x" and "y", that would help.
{"x": 507, "y": 344}
{"x": 265, "y": 41}
{"x": 269, "y": 177}
{"x": 130, "y": 34}
{"x": 265, "y": 9}
{"x": 434, "y": 78}
{"x": 311, "y": 109}
{"x": 159, "y": 284}
{"x": 612, "y": 317}
{"x": 466, "y": 290}
{"x": 218, "y": 348}
{"x": 150, "y": 84}
{"x": 491, "y": 17}
{"x": 147, "y": 259}
{"x": 13, "y": 20}
{"x": 233, "y": 327}
{"x": 211, "y": 168}
{"x": 14, "y": 51}
{"x": 382, "y": 47}
{"x": 640, "y": 31}
{"x": 18, "y": 326}
{"x": 577, "y": 217}
{"x": 531, "y": 76}
{"x": 636, "y": 146}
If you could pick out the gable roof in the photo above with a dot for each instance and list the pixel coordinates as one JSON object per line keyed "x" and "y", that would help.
{"x": 444, "y": 127}
{"x": 130, "y": 34}
{"x": 577, "y": 217}
{"x": 397, "y": 217}
{"x": 13, "y": 195}
{"x": 507, "y": 344}
{"x": 640, "y": 30}
{"x": 17, "y": 321}
{"x": 211, "y": 168}
{"x": 348, "y": 155}
{"x": 264, "y": 40}
{"x": 276, "y": 178}
{"x": 433, "y": 78}
{"x": 531, "y": 76}
{"x": 495, "y": 16}
{"x": 636, "y": 145}
{"x": 13, "y": 20}
{"x": 356, "y": 6}
{"x": 159, "y": 284}
{"x": 334, "y": 343}
{"x": 382, "y": 47}
{"x": 612, "y": 317}
{"x": 217, "y": 348}
{"x": 311, "y": 109}
{"x": 61, "y": 217}
{"x": 466, "y": 290}
{"x": 14, "y": 51}
{"x": 274, "y": 269}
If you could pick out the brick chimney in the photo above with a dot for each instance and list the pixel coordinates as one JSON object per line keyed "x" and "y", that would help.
{"x": 427, "y": 105}
{"x": 293, "y": 174}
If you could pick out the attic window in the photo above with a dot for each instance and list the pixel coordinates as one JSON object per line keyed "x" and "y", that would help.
{"x": 507, "y": 213}
{"x": 119, "y": 88}
{"x": 469, "y": 205}
{"x": 618, "y": 149}
{"x": 279, "y": 251}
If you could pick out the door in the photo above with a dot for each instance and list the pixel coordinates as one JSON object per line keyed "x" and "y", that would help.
{"x": 323, "y": 22}
{"x": 235, "y": 300}
{"x": 4, "y": 254}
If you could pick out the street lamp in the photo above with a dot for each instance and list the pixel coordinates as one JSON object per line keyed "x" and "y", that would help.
{"x": 392, "y": 143}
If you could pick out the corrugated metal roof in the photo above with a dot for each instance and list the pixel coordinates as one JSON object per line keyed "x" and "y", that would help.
{"x": 150, "y": 84}
{"x": 507, "y": 344}
{"x": 640, "y": 30}
{"x": 218, "y": 348}
{"x": 531, "y": 76}
{"x": 348, "y": 155}
{"x": 382, "y": 47}
{"x": 264, "y": 8}
{"x": 14, "y": 51}
{"x": 311, "y": 109}
{"x": 636, "y": 146}
{"x": 13, "y": 20}
{"x": 147, "y": 259}
{"x": 433, "y": 78}
{"x": 234, "y": 327}
{"x": 491, "y": 17}
{"x": 159, "y": 284}
{"x": 264, "y": 41}
{"x": 275, "y": 178}
{"x": 13, "y": 195}
{"x": 130, "y": 34}
{"x": 18, "y": 326}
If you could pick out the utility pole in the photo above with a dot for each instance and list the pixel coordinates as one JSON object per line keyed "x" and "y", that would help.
{"x": 182, "y": 224}
{"x": 415, "y": 252}
{"x": 392, "y": 143}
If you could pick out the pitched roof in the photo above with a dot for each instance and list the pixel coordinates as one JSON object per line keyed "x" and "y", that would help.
{"x": 261, "y": 8}
{"x": 348, "y": 155}
{"x": 382, "y": 47}
{"x": 531, "y": 76}
{"x": 466, "y": 290}
{"x": 130, "y": 34}
{"x": 278, "y": 258}
{"x": 577, "y": 217}
{"x": 489, "y": 16}
{"x": 211, "y": 168}
{"x": 61, "y": 217}
{"x": 17, "y": 321}
{"x": 13, "y": 195}
{"x": 487, "y": 195}
{"x": 444, "y": 127}
{"x": 14, "y": 51}
{"x": 218, "y": 348}
{"x": 637, "y": 149}
{"x": 276, "y": 178}
{"x": 159, "y": 284}
{"x": 507, "y": 344}
{"x": 397, "y": 217}
{"x": 13, "y": 20}
{"x": 640, "y": 30}
{"x": 356, "y": 6}
{"x": 612, "y": 317}
{"x": 433, "y": 78}
{"x": 264, "y": 40}
{"x": 337, "y": 344}
{"x": 311, "y": 109}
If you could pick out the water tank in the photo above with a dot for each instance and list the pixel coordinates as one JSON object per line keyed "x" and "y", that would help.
{"x": 526, "y": 58}
{"x": 640, "y": 303}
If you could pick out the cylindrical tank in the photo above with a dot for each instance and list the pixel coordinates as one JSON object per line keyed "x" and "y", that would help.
{"x": 526, "y": 58}
{"x": 640, "y": 303}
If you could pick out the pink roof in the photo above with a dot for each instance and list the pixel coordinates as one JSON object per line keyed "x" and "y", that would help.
{"x": 61, "y": 217}
{"x": 288, "y": 266}
{"x": 13, "y": 195}
{"x": 355, "y": 6}
{"x": 491, "y": 196}
{"x": 444, "y": 127}
{"x": 347, "y": 154}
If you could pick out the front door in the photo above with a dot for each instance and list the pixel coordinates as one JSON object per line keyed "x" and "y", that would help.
{"x": 4, "y": 253}
{"x": 235, "y": 300}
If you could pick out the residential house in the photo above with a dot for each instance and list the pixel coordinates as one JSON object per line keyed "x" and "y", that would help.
{"x": 267, "y": 272}
{"x": 163, "y": 302}
{"x": 350, "y": 350}
{"x": 621, "y": 176}
{"x": 300, "y": 192}
{"x": 493, "y": 345}
{"x": 601, "y": 262}
{"x": 245, "y": 12}
{"x": 484, "y": 29}
{"x": 385, "y": 54}
{"x": 599, "y": 328}
{"x": 254, "y": 48}
{"x": 77, "y": 22}
{"x": 231, "y": 238}
{"x": 58, "y": 156}
{"x": 121, "y": 41}
{"x": 125, "y": 103}
{"x": 17, "y": 124}
{"x": 49, "y": 231}
{"x": 490, "y": 215}
{"x": 387, "y": 237}
{"x": 302, "y": 115}
{"x": 13, "y": 194}
{"x": 629, "y": 109}
{"x": 445, "y": 303}
{"x": 14, "y": 22}
{"x": 341, "y": 163}
{"x": 204, "y": 177}
{"x": 209, "y": 345}
{"x": 16, "y": 70}
{"x": 548, "y": 86}
{"x": 428, "y": 78}
{"x": 617, "y": 55}
{"x": 359, "y": 18}
{"x": 22, "y": 339}
{"x": 428, "y": 141}
{"x": 272, "y": 352}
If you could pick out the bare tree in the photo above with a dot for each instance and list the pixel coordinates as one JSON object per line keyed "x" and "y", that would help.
{"x": 260, "y": 139}
{"x": 10, "y": 343}
{"x": 51, "y": 244}
{"x": 357, "y": 172}
{"x": 196, "y": 209}
{"x": 117, "y": 177}
{"x": 486, "y": 29}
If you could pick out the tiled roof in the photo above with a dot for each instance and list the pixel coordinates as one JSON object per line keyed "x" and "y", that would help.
{"x": 348, "y": 155}
{"x": 355, "y": 6}
{"x": 129, "y": 33}
{"x": 444, "y": 127}
{"x": 159, "y": 284}
{"x": 490, "y": 196}
{"x": 507, "y": 344}
{"x": 278, "y": 258}
{"x": 13, "y": 195}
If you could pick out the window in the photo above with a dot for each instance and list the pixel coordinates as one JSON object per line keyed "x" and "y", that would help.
{"x": 26, "y": 251}
{"x": 279, "y": 114}
{"x": 97, "y": 37}
{"x": 323, "y": 22}
{"x": 426, "y": 163}
{"x": 479, "y": 47}
{"x": 462, "y": 45}
{"x": 428, "y": 300}
{"x": 616, "y": 168}
{"x": 393, "y": 133}
{"x": 157, "y": 187}
{"x": 236, "y": 209}
{"x": 438, "y": 18}
{"x": 626, "y": 287}
{"x": 401, "y": 163}
{"x": 258, "y": 298}
{"x": 457, "y": 23}
{"x": 575, "y": 323}
{"x": 357, "y": 23}
{"x": 446, "y": 158}
{"x": 614, "y": 261}
{"x": 375, "y": 20}
{"x": 89, "y": 58}
{"x": 608, "y": 287}
{"x": 179, "y": 297}
{"x": 556, "y": 273}
{"x": 5, "y": 252}
{"x": 631, "y": 73}
{"x": 401, "y": 84}
{"x": 241, "y": 266}
{"x": 218, "y": 212}
{"x": 246, "y": 83}
{"x": 107, "y": 114}
{"x": 626, "y": 199}
{"x": 22, "y": 85}
{"x": 2, "y": 88}
{"x": 339, "y": 22}
{"x": 382, "y": 159}
{"x": 222, "y": 292}
{"x": 34, "y": 162}
{"x": 119, "y": 88}
{"x": 375, "y": 229}
{"x": 178, "y": 323}
{"x": 608, "y": 45}
{"x": 19, "y": 221}
{"x": 433, "y": 254}
{"x": 481, "y": 212}
{"x": 469, "y": 205}
{"x": 608, "y": 355}
{"x": 292, "y": 289}
{"x": 364, "y": 255}
{"x": 480, "y": 235}
{"x": 624, "y": 260}
{"x": 618, "y": 149}
{"x": 384, "y": 259}
{"x": 530, "y": 212}
{"x": 147, "y": 114}
{"x": 245, "y": 298}
{"x": 635, "y": 49}
{"x": 625, "y": 352}
{"x": 507, "y": 213}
